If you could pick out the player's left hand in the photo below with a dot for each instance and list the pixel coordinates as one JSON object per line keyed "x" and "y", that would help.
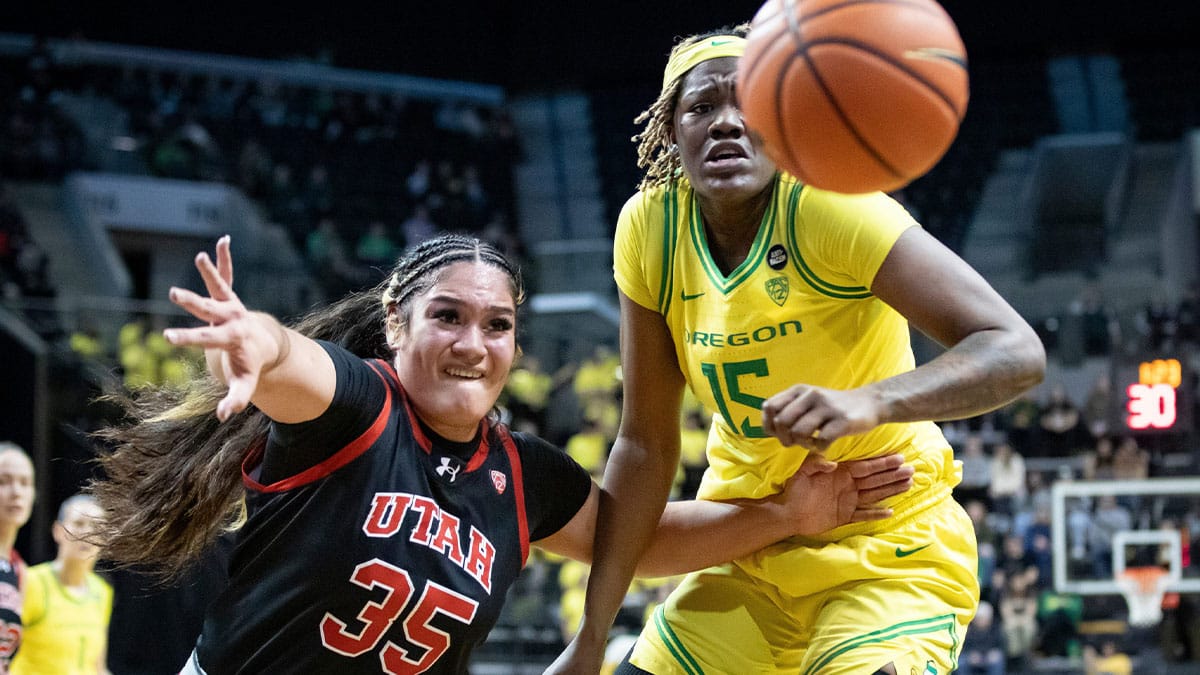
{"x": 823, "y": 495}
{"x": 814, "y": 417}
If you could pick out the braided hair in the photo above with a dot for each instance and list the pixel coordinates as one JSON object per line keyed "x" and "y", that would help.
{"x": 172, "y": 472}
{"x": 656, "y": 153}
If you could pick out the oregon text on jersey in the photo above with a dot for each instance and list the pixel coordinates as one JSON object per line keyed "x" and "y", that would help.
{"x": 760, "y": 334}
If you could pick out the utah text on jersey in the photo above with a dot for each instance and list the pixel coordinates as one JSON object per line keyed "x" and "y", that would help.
{"x": 433, "y": 527}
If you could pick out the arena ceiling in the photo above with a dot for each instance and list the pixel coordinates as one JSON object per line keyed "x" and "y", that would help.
{"x": 538, "y": 44}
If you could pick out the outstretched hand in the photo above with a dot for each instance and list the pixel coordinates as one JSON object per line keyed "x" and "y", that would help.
{"x": 244, "y": 346}
{"x": 823, "y": 495}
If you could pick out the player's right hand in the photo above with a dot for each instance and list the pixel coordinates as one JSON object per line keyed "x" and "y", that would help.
{"x": 244, "y": 345}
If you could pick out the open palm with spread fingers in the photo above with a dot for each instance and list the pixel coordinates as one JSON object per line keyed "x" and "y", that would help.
{"x": 243, "y": 344}
{"x": 823, "y": 495}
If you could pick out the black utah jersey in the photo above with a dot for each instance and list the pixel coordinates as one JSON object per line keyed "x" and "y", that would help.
{"x": 12, "y": 573}
{"x": 388, "y": 555}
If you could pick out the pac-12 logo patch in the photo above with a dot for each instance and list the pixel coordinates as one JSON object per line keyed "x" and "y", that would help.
{"x": 499, "y": 481}
{"x": 777, "y": 257}
{"x": 777, "y": 288}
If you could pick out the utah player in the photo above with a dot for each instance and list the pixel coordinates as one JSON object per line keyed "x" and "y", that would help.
{"x": 16, "y": 505}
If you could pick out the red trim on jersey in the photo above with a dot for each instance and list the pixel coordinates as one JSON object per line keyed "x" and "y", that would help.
{"x": 339, "y": 459}
{"x": 481, "y": 453}
{"x": 18, "y": 565}
{"x": 518, "y": 486}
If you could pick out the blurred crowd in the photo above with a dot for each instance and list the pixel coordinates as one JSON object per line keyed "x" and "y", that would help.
{"x": 354, "y": 177}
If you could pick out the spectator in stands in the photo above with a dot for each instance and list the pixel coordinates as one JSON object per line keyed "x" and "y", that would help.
{"x": 419, "y": 183}
{"x": 285, "y": 203}
{"x": 1156, "y": 322}
{"x": 1130, "y": 462}
{"x": 988, "y": 540}
{"x": 572, "y": 580}
{"x": 254, "y": 169}
{"x": 589, "y": 447}
{"x": 1007, "y": 486}
{"x": 1101, "y": 330}
{"x": 1109, "y": 518}
{"x": 375, "y": 248}
{"x": 529, "y": 389}
{"x": 1034, "y": 509}
{"x": 328, "y": 257}
{"x": 1019, "y": 420}
{"x": 1018, "y": 617}
{"x": 419, "y": 226}
{"x": 1109, "y": 660}
{"x": 500, "y": 233}
{"x": 475, "y": 195}
{"x": 1015, "y": 561}
{"x": 318, "y": 194}
{"x": 1039, "y": 549}
{"x": 976, "y": 471}
{"x": 1060, "y": 424}
{"x": 1098, "y": 407}
{"x": 1187, "y": 316}
{"x": 1098, "y": 464}
{"x": 983, "y": 648}
{"x": 1058, "y": 616}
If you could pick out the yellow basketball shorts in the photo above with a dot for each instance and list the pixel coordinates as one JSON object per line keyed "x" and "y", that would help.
{"x": 903, "y": 596}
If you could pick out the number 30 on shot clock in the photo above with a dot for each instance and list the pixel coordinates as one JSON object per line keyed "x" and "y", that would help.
{"x": 1152, "y": 399}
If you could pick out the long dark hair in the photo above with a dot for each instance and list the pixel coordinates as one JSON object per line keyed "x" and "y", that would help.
{"x": 172, "y": 474}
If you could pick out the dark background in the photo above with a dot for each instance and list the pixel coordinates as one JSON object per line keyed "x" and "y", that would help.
{"x": 546, "y": 44}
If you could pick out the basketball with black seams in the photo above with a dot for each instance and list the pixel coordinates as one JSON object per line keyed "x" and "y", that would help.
{"x": 854, "y": 95}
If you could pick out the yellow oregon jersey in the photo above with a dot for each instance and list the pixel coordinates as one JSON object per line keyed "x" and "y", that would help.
{"x": 64, "y": 633}
{"x": 797, "y": 310}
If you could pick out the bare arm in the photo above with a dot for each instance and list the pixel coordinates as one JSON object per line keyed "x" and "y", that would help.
{"x": 285, "y": 374}
{"x": 637, "y": 478}
{"x": 820, "y": 497}
{"x": 993, "y": 355}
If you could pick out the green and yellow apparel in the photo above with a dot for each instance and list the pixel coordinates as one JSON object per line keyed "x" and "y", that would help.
{"x": 798, "y": 309}
{"x": 66, "y": 628}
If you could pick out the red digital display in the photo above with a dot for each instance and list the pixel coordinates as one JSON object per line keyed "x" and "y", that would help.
{"x": 1151, "y": 406}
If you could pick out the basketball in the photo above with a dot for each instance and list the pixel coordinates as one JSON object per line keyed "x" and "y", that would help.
{"x": 854, "y": 96}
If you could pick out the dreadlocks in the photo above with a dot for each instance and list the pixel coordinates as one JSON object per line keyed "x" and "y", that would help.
{"x": 656, "y": 153}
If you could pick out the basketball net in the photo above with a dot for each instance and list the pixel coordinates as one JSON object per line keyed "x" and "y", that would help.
{"x": 1143, "y": 588}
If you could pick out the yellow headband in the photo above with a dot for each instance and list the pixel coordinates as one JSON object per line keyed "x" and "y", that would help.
{"x": 696, "y": 53}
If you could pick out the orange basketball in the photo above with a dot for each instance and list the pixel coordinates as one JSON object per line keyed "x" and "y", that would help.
{"x": 854, "y": 95}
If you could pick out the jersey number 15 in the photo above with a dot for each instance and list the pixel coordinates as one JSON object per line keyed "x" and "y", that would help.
{"x": 732, "y": 371}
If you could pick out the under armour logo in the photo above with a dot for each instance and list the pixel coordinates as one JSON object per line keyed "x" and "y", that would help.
{"x": 449, "y": 468}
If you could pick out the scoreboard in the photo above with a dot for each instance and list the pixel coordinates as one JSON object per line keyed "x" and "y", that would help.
{"x": 1158, "y": 396}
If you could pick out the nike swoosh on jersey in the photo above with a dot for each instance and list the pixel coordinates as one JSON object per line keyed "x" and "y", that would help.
{"x": 690, "y": 296}
{"x": 901, "y": 553}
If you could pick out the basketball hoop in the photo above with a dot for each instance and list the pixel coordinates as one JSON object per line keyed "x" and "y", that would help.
{"x": 1143, "y": 588}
